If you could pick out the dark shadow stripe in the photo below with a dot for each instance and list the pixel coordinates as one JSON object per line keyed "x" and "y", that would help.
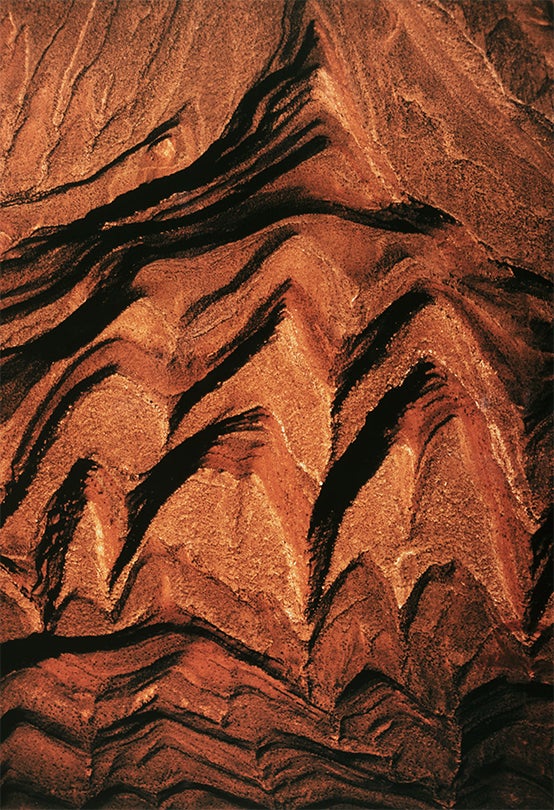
{"x": 25, "y": 653}
{"x": 247, "y": 343}
{"x": 64, "y": 513}
{"x": 168, "y": 475}
{"x": 17, "y": 487}
{"x": 155, "y": 135}
{"x": 356, "y": 466}
{"x": 369, "y": 347}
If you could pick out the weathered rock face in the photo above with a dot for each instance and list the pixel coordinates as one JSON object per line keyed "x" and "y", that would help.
{"x": 276, "y": 416}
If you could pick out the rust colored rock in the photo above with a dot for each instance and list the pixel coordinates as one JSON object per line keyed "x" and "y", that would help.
{"x": 276, "y": 424}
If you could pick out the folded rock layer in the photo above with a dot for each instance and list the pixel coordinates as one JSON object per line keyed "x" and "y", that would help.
{"x": 276, "y": 423}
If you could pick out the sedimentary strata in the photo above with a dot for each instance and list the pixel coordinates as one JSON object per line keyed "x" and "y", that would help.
{"x": 276, "y": 387}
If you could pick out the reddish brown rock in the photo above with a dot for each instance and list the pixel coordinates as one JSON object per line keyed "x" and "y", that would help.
{"x": 276, "y": 468}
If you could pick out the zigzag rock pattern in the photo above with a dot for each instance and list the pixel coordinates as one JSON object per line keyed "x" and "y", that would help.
{"x": 276, "y": 404}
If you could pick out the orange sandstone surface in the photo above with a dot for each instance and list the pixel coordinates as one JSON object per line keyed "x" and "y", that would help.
{"x": 276, "y": 403}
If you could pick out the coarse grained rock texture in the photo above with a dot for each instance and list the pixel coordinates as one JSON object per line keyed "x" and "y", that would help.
{"x": 276, "y": 403}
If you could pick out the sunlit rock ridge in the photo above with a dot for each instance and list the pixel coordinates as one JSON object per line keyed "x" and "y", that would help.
{"x": 276, "y": 404}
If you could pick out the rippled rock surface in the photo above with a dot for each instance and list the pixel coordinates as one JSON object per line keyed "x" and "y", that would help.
{"x": 276, "y": 384}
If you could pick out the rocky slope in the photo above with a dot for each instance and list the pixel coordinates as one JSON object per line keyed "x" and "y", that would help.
{"x": 276, "y": 294}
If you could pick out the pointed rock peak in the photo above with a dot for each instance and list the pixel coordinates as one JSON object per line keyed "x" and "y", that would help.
{"x": 434, "y": 590}
{"x": 361, "y": 580}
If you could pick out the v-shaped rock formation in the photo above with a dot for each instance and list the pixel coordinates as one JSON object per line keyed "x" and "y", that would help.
{"x": 276, "y": 469}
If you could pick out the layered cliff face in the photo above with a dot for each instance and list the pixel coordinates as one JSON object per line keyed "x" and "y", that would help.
{"x": 276, "y": 404}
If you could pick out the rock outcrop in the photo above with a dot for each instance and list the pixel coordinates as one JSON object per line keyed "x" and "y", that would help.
{"x": 276, "y": 375}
